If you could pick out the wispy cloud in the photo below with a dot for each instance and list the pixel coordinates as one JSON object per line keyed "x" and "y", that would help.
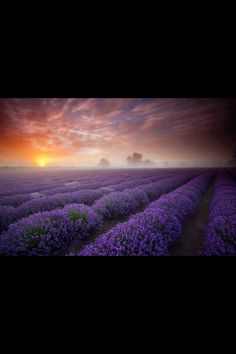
{"x": 86, "y": 129}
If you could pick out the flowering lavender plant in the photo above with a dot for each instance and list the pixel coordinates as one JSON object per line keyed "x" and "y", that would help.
{"x": 154, "y": 230}
{"x": 49, "y": 232}
{"x": 220, "y": 239}
{"x": 7, "y": 216}
{"x": 116, "y": 205}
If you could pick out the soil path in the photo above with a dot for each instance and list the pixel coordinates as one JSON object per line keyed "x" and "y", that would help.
{"x": 191, "y": 241}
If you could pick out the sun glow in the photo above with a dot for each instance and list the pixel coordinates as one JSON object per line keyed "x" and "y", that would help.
{"x": 42, "y": 161}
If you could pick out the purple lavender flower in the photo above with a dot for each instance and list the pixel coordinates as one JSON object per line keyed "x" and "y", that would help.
{"x": 154, "y": 230}
{"x": 7, "y": 216}
{"x": 128, "y": 239}
{"x": 53, "y": 223}
{"x": 139, "y": 195}
{"x": 116, "y": 205}
{"x": 85, "y": 196}
{"x": 220, "y": 237}
{"x": 49, "y": 232}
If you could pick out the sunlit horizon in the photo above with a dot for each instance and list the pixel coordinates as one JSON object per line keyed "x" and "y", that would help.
{"x": 79, "y": 133}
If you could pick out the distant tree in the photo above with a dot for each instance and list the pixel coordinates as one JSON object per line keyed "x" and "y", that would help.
{"x": 104, "y": 163}
{"x": 136, "y": 159}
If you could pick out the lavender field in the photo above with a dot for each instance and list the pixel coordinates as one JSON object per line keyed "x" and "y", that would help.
{"x": 82, "y": 177}
{"x": 126, "y": 212}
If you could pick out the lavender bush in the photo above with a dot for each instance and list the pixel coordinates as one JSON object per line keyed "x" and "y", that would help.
{"x": 46, "y": 224}
{"x": 220, "y": 237}
{"x": 116, "y": 205}
{"x": 154, "y": 230}
{"x": 49, "y": 232}
{"x": 7, "y": 216}
{"x": 120, "y": 208}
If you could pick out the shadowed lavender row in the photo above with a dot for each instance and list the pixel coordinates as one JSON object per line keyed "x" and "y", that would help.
{"x": 8, "y": 215}
{"x": 151, "y": 232}
{"x": 119, "y": 204}
{"x": 31, "y": 181}
{"x": 220, "y": 237}
{"x": 13, "y": 182}
{"x": 34, "y": 181}
{"x": 48, "y": 232}
{"x": 18, "y": 199}
{"x": 103, "y": 183}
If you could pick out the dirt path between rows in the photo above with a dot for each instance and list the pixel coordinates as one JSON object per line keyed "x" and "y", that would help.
{"x": 192, "y": 239}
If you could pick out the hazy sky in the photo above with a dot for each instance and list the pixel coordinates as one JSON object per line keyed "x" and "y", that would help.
{"x": 78, "y": 132}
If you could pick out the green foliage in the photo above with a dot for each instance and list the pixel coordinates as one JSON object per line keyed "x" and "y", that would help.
{"x": 74, "y": 215}
{"x": 30, "y": 234}
{"x": 37, "y": 230}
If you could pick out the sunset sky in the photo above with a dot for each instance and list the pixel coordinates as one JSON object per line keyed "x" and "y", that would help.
{"x": 79, "y": 132}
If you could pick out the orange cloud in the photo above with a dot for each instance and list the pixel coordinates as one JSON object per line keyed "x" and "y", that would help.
{"x": 81, "y": 131}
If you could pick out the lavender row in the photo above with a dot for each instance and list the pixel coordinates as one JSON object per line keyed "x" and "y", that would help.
{"x": 48, "y": 232}
{"x": 151, "y": 232}
{"x": 220, "y": 239}
{"x": 18, "y": 199}
{"x": 31, "y": 190}
{"x": 29, "y": 183}
{"x": 114, "y": 184}
{"x": 9, "y": 215}
{"x": 76, "y": 186}
{"x": 11, "y": 185}
{"x": 119, "y": 204}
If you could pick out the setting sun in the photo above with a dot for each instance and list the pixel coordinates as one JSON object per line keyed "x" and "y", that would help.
{"x": 42, "y": 161}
